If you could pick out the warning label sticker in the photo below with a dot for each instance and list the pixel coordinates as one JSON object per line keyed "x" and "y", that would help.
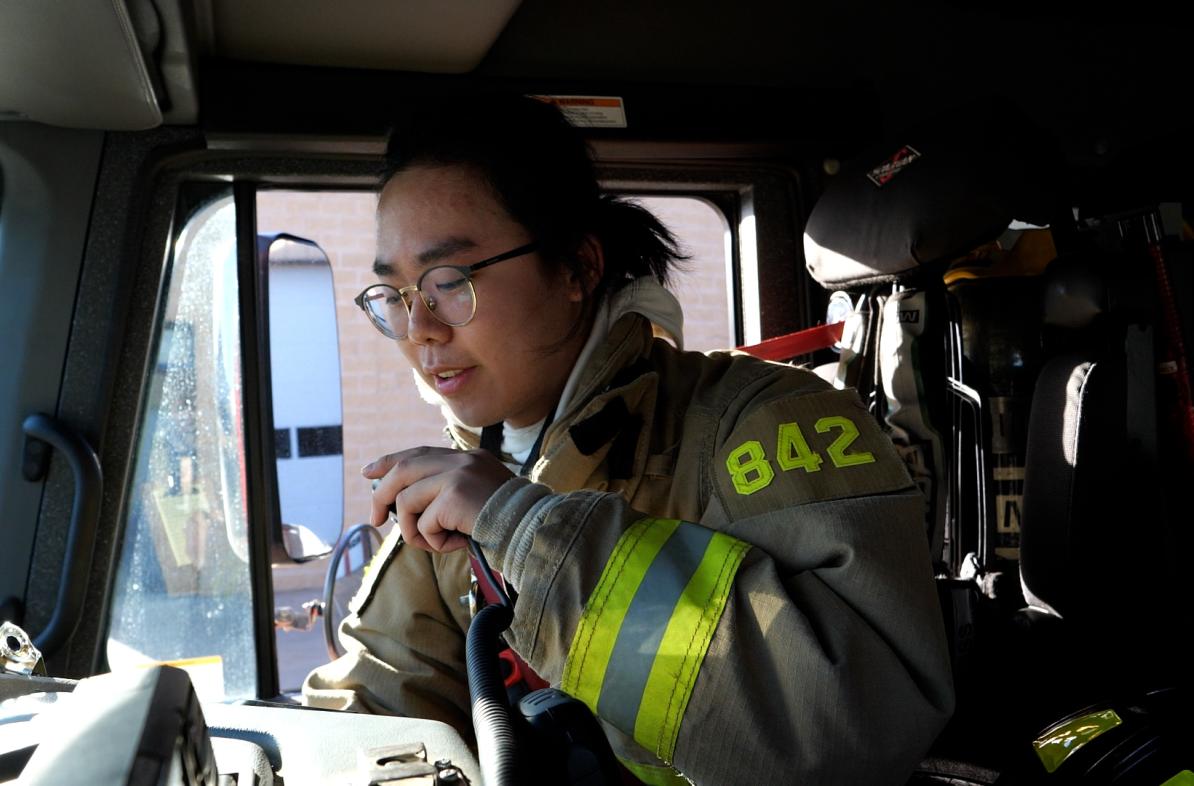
{"x": 590, "y": 111}
{"x": 882, "y": 174}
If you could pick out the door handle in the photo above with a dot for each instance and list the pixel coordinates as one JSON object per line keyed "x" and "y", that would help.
{"x": 80, "y": 537}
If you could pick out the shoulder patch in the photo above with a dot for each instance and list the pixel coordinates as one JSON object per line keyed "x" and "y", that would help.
{"x": 805, "y": 448}
{"x": 374, "y": 570}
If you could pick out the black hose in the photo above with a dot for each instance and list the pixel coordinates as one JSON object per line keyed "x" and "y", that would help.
{"x": 497, "y": 742}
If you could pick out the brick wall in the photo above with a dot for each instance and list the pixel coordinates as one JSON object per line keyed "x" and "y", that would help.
{"x": 701, "y": 287}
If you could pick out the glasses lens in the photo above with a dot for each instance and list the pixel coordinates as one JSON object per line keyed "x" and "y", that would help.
{"x": 387, "y": 311}
{"x": 448, "y": 294}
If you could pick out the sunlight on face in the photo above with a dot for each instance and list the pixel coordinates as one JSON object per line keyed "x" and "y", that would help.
{"x": 508, "y": 363}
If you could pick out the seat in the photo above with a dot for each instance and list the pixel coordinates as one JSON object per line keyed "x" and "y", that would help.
{"x": 886, "y": 231}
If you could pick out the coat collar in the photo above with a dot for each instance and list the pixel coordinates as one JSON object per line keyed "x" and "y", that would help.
{"x": 601, "y": 441}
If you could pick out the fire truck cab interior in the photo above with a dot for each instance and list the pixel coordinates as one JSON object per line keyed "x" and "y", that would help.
{"x": 990, "y": 207}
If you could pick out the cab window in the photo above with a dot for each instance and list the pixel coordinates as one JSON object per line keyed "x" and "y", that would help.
{"x": 182, "y": 592}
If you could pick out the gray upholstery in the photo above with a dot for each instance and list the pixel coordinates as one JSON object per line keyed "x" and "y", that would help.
{"x": 1076, "y": 421}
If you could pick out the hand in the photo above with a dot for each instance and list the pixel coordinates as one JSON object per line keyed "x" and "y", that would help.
{"x": 437, "y": 493}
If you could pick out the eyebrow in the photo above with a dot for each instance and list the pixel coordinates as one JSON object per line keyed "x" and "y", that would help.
{"x": 442, "y": 250}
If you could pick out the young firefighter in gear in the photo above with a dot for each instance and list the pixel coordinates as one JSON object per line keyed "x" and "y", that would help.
{"x": 723, "y": 558}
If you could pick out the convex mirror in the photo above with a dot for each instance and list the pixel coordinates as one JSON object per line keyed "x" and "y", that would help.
{"x": 305, "y": 390}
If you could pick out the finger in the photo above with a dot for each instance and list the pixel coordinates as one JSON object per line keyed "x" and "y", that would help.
{"x": 407, "y": 523}
{"x": 411, "y": 535}
{"x": 407, "y": 468}
{"x": 379, "y": 507}
{"x": 410, "y": 507}
{"x": 379, "y": 467}
{"x": 437, "y": 526}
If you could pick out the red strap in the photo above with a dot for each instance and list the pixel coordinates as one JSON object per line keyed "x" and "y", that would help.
{"x": 519, "y": 670}
{"x": 487, "y": 591}
{"x": 1174, "y": 353}
{"x": 801, "y": 342}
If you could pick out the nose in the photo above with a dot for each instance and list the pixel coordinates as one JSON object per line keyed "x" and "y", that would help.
{"x": 424, "y": 327}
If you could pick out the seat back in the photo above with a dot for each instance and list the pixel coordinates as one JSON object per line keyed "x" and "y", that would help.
{"x": 1096, "y": 529}
{"x": 885, "y": 230}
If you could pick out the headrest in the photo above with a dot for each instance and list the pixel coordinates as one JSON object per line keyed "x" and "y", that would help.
{"x": 933, "y": 195}
{"x": 1075, "y": 294}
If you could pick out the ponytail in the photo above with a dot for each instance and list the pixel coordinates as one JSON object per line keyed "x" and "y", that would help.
{"x": 635, "y": 244}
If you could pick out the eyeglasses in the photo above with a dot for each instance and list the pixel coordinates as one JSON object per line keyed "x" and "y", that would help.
{"x": 446, "y": 290}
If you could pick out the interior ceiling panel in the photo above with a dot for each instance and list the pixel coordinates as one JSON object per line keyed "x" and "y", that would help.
{"x": 75, "y": 63}
{"x": 433, "y": 36}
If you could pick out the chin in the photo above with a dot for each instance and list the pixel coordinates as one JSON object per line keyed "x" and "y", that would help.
{"x": 470, "y": 416}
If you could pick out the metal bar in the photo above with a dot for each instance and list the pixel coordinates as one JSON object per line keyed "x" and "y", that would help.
{"x": 262, "y": 502}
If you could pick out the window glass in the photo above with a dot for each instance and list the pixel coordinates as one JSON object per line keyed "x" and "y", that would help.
{"x": 182, "y": 593}
{"x": 381, "y": 408}
{"x": 705, "y": 286}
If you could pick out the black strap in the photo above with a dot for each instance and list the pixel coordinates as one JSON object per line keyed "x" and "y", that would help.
{"x": 491, "y": 443}
{"x": 533, "y": 456}
{"x": 491, "y": 440}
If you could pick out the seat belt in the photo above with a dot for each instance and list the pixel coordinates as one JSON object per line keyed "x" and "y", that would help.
{"x": 802, "y": 342}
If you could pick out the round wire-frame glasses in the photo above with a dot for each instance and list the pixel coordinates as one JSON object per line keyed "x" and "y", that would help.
{"x": 446, "y": 290}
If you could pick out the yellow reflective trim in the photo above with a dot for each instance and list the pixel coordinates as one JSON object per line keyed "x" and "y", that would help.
{"x": 682, "y": 650}
{"x": 1183, "y": 778}
{"x": 654, "y": 776}
{"x": 597, "y": 631}
{"x": 1060, "y": 742}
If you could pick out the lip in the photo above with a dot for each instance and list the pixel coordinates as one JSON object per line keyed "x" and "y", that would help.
{"x": 451, "y": 385}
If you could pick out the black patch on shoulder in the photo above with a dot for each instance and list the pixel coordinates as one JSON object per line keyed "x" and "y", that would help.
{"x": 595, "y": 431}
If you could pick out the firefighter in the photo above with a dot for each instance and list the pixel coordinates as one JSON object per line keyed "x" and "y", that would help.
{"x": 722, "y": 557}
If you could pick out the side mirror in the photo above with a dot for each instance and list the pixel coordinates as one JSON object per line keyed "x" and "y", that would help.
{"x": 304, "y": 356}
{"x": 302, "y": 544}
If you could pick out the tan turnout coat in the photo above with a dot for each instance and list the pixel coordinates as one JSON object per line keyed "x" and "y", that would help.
{"x": 823, "y": 658}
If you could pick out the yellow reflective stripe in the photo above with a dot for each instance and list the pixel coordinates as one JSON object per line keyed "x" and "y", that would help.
{"x": 680, "y": 654}
{"x": 606, "y": 608}
{"x": 647, "y": 626}
{"x": 1183, "y": 778}
{"x": 655, "y": 776}
{"x": 1063, "y": 740}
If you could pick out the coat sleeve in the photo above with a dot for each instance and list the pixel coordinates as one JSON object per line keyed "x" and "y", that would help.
{"x": 791, "y": 636}
{"x": 404, "y": 641}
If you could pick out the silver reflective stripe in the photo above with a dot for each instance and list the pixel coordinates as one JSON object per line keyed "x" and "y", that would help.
{"x": 646, "y": 620}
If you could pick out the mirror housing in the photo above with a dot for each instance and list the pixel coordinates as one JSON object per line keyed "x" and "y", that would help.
{"x": 304, "y": 363}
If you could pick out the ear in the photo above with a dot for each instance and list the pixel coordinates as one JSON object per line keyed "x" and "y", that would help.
{"x": 592, "y": 264}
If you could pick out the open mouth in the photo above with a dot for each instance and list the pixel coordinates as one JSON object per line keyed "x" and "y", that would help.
{"x": 448, "y": 381}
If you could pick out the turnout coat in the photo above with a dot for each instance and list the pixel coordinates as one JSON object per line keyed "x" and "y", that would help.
{"x": 723, "y": 557}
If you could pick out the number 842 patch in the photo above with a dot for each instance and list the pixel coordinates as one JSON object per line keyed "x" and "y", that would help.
{"x": 805, "y": 448}
{"x": 751, "y": 471}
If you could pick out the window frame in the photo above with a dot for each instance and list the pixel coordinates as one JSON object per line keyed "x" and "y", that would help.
{"x": 761, "y": 203}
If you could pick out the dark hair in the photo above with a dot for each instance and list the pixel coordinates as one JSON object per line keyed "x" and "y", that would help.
{"x": 541, "y": 171}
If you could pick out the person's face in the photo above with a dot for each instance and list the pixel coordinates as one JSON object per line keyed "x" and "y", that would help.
{"x": 507, "y": 363}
